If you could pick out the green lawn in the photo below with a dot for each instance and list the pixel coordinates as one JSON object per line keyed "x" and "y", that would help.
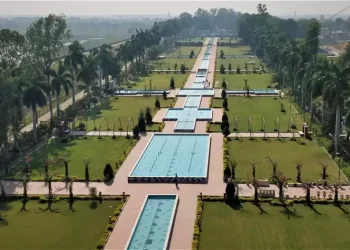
{"x": 164, "y": 64}
{"x": 122, "y": 107}
{"x": 229, "y": 51}
{"x": 57, "y": 229}
{"x": 159, "y": 81}
{"x": 100, "y": 151}
{"x": 192, "y": 39}
{"x": 256, "y": 108}
{"x": 236, "y": 81}
{"x": 246, "y": 227}
{"x": 239, "y": 62}
{"x": 185, "y": 50}
{"x": 286, "y": 154}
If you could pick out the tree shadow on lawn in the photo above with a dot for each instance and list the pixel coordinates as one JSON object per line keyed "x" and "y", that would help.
{"x": 237, "y": 206}
{"x": 262, "y": 211}
{"x": 312, "y": 207}
{"x": 344, "y": 210}
{"x": 291, "y": 213}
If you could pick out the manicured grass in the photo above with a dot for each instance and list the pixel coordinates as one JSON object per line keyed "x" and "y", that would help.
{"x": 164, "y": 64}
{"x": 100, "y": 151}
{"x": 185, "y": 50}
{"x": 246, "y": 227}
{"x": 227, "y": 39}
{"x": 229, "y": 51}
{"x": 239, "y": 62}
{"x": 286, "y": 154}
{"x": 122, "y": 107}
{"x": 57, "y": 229}
{"x": 160, "y": 81}
{"x": 192, "y": 39}
{"x": 256, "y": 108}
{"x": 236, "y": 81}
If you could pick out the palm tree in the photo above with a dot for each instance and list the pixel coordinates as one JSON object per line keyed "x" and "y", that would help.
{"x": 61, "y": 79}
{"x": 125, "y": 54}
{"x": 88, "y": 75}
{"x": 335, "y": 92}
{"x": 34, "y": 93}
{"x": 74, "y": 60}
{"x": 104, "y": 57}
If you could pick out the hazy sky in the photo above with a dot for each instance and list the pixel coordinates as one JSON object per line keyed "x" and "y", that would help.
{"x": 140, "y": 7}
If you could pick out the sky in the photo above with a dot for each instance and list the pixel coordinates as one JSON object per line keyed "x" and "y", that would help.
{"x": 140, "y": 7}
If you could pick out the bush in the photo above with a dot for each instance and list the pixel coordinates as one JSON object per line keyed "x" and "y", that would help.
{"x": 141, "y": 123}
{"x": 183, "y": 69}
{"x": 148, "y": 116}
{"x": 191, "y": 54}
{"x": 172, "y": 83}
{"x": 226, "y": 132}
{"x": 164, "y": 95}
{"x": 230, "y": 191}
{"x": 224, "y": 125}
{"x": 223, "y": 94}
{"x": 222, "y": 55}
{"x": 224, "y": 85}
{"x": 225, "y": 104}
{"x": 157, "y": 104}
{"x": 136, "y": 132}
{"x": 224, "y": 117}
{"x": 283, "y": 109}
{"x": 222, "y": 69}
{"x": 108, "y": 172}
{"x": 238, "y": 70}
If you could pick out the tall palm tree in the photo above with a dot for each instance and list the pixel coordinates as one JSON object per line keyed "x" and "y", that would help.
{"x": 74, "y": 60}
{"x": 88, "y": 75}
{"x": 34, "y": 92}
{"x": 62, "y": 78}
{"x": 336, "y": 92}
{"x": 104, "y": 57}
{"x": 125, "y": 55}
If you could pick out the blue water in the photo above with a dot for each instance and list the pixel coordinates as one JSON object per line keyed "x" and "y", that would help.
{"x": 200, "y": 78}
{"x": 139, "y": 92}
{"x": 204, "y": 64}
{"x": 206, "y": 57}
{"x": 254, "y": 91}
{"x": 198, "y": 85}
{"x": 193, "y": 91}
{"x": 167, "y": 155}
{"x": 154, "y": 223}
{"x": 193, "y": 101}
{"x": 188, "y": 114}
{"x": 185, "y": 126}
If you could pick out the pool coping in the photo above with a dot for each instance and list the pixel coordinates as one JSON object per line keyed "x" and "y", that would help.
{"x": 148, "y": 179}
{"x": 171, "y": 224}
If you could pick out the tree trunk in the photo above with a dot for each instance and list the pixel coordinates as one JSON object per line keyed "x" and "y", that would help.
{"x": 126, "y": 71}
{"x": 73, "y": 88}
{"x": 57, "y": 105}
{"x": 311, "y": 109}
{"x": 337, "y": 129}
{"x": 35, "y": 117}
{"x": 323, "y": 110}
{"x": 49, "y": 97}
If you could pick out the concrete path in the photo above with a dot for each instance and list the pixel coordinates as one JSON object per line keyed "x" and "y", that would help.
{"x": 181, "y": 237}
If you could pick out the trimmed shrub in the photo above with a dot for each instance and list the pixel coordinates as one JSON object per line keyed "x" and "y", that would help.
{"x": 183, "y": 69}
{"x": 157, "y": 104}
{"x": 108, "y": 172}
{"x": 165, "y": 95}
{"x": 222, "y": 69}
{"x": 224, "y": 85}
{"x": 136, "y": 132}
{"x": 141, "y": 123}
{"x": 226, "y": 132}
{"x": 172, "y": 83}
{"x": 223, "y": 94}
{"x": 225, "y": 104}
{"x": 191, "y": 54}
{"x": 224, "y": 125}
{"x": 148, "y": 116}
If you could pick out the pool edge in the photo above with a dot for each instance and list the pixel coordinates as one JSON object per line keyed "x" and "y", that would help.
{"x": 169, "y": 231}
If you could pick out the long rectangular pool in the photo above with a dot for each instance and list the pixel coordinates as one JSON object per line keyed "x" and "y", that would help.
{"x": 166, "y": 155}
{"x": 153, "y": 226}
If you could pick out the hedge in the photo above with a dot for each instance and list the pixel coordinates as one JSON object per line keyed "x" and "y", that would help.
{"x": 196, "y": 231}
{"x": 110, "y": 226}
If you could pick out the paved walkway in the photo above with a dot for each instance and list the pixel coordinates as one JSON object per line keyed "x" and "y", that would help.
{"x": 181, "y": 237}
